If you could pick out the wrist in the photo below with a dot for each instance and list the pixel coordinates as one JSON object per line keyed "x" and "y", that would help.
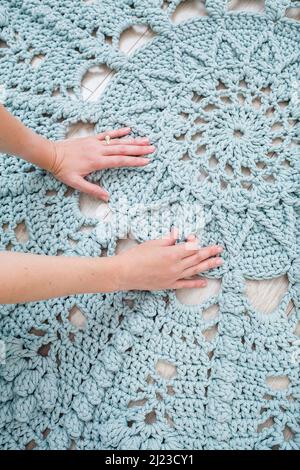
{"x": 121, "y": 275}
{"x": 40, "y": 151}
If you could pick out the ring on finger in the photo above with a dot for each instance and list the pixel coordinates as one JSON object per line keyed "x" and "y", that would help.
{"x": 107, "y": 139}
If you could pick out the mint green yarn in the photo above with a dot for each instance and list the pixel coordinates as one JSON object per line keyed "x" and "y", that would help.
{"x": 223, "y": 91}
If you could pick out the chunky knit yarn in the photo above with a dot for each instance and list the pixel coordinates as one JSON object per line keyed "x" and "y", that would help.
{"x": 219, "y": 97}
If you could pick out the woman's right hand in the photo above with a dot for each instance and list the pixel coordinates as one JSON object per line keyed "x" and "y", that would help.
{"x": 163, "y": 264}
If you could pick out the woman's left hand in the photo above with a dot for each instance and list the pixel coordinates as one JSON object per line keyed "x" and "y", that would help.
{"x": 74, "y": 159}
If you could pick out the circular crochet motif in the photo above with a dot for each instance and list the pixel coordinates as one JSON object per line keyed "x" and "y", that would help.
{"x": 219, "y": 97}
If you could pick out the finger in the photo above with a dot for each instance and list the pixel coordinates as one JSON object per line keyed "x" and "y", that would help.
{"x": 203, "y": 253}
{"x": 187, "y": 249}
{"x": 190, "y": 283}
{"x": 121, "y": 161}
{"x": 90, "y": 188}
{"x": 138, "y": 141}
{"x": 129, "y": 150}
{"x": 167, "y": 240}
{"x": 114, "y": 133}
{"x": 191, "y": 238}
{"x": 210, "y": 263}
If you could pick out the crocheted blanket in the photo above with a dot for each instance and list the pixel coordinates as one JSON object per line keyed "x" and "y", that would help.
{"x": 219, "y": 97}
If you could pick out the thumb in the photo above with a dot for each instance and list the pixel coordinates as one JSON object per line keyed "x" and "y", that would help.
{"x": 92, "y": 189}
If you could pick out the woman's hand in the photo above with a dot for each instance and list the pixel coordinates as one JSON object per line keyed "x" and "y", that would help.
{"x": 162, "y": 264}
{"x": 76, "y": 158}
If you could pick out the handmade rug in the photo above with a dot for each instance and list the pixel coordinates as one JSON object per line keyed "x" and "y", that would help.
{"x": 219, "y": 97}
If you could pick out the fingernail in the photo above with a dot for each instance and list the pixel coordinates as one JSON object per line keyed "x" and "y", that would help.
{"x": 220, "y": 249}
{"x": 204, "y": 283}
{"x": 144, "y": 140}
{"x": 152, "y": 148}
{"x": 219, "y": 261}
{"x": 146, "y": 160}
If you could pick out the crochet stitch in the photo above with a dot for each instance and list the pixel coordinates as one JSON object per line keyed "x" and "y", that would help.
{"x": 219, "y": 97}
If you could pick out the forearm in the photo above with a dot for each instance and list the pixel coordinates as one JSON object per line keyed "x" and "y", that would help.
{"x": 26, "y": 277}
{"x": 17, "y": 139}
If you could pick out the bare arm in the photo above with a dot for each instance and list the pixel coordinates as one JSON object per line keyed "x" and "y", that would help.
{"x": 153, "y": 265}
{"x": 71, "y": 160}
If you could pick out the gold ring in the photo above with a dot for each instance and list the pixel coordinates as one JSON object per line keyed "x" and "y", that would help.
{"x": 107, "y": 139}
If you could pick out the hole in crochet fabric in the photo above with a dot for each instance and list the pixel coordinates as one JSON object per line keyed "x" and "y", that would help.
{"x": 37, "y": 61}
{"x": 185, "y": 157}
{"x": 201, "y": 150}
{"x": 170, "y": 390}
{"x": 277, "y": 141}
{"x": 159, "y": 397}
{"x": 169, "y": 420}
{"x": 50, "y": 193}
{"x": 80, "y": 129}
{"x": 3, "y": 44}
{"x": 44, "y": 350}
{"x": 73, "y": 243}
{"x": 198, "y": 296}
{"x": 184, "y": 116}
{"x": 200, "y": 121}
{"x": 93, "y": 208}
{"x": 245, "y": 171}
{"x": 196, "y": 97}
{"x": 179, "y": 137}
{"x": 150, "y": 380}
{"x": 129, "y": 303}
{"x": 210, "y": 107}
{"x": 197, "y": 136}
{"x": 210, "y": 333}
{"x": 202, "y": 176}
{"x": 245, "y": 5}
{"x": 69, "y": 192}
{"x": 279, "y": 382}
{"x": 94, "y": 76}
{"x": 31, "y": 445}
{"x": 211, "y": 313}
{"x": 238, "y": 133}
{"x": 46, "y": 433}
{"x": 270, "y": 112}
{"x": 165, "y": 369}
{"x": 288, "y": 434}
{"x": 188, "y": 9}
{"x": 229, "y": 169}
{"x": 221, "y": 86}
{"x": 77, "y": 318}
{"x": 213, "y": 162}
{"x": 72, "y": 337}
{"x": 293, "y": 13}
{"x": 136, "y": 403}
{"x": 265, "y": 295}
{"x": 150, "y": 418}
{"x": 35, "y": 332}
{"x": 21, "y": 233}
{"x": 266, "y": 424}
{"x": 277, "y": 126}
{"x": 256, "y": 102}
{"x": 129, "y": 38}
{"x": 225, "y": 99}
{"x": 283, "y": 104}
